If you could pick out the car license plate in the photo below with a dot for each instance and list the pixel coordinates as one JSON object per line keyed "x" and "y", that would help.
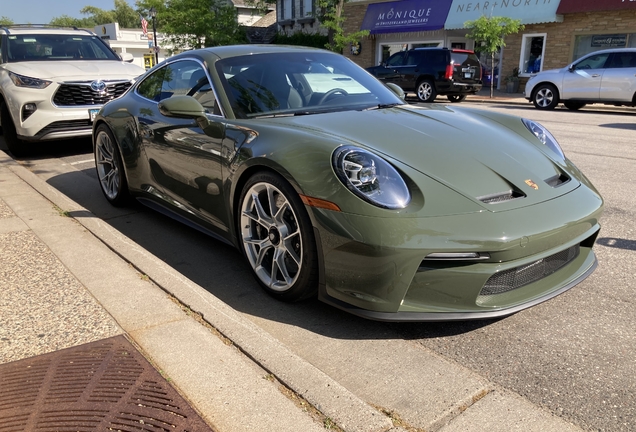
{"x": 468, "y": 75}
{"x": 92, "y": 113}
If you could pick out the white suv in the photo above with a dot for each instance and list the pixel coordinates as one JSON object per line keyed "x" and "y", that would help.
{"x": 54, "y": 80}
{"x": 606, "y": 76}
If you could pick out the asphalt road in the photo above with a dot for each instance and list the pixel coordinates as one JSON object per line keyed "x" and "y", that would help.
{"x": 574, "y": 355}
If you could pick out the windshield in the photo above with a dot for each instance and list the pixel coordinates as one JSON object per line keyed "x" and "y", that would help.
{"x": 46, "y": 47}
{"x": 299, "y": 83}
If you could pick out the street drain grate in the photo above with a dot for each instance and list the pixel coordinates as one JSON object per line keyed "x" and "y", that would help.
{"x": 101, "y": 386}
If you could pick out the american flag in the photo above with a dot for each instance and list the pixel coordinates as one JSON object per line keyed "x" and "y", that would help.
{"x": 144, "y": 24}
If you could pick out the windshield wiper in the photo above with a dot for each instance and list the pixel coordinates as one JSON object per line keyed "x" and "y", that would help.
{"x": 381, "y": 106}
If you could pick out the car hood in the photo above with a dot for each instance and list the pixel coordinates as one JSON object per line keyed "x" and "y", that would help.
{"x": 81, "y": 70}
{"x": 476, "y": 153}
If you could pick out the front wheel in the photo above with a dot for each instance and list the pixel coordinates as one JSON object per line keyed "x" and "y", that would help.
{"x": 110, "y": 168}
{"x": 426, "y": 91}
{"x": 456, "y": 98}
{"x": 16, "y": 146}
{"x": 277, "y": 238}
{"x": 545, "y": 97}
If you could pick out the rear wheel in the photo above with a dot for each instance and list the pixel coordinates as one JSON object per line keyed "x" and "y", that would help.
{"x": 426, "y": 91}
{"x": 277, "y": 238}
{"x": 456, "y": 98}
{"x": 110, "y": 168}
{"x": 16, "y": 146}
{"x": 545, "y": 97}
{"x": 573, "y": 105}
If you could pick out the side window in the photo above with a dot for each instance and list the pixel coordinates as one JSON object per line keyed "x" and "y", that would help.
{"x": 414, "y": 58}
{"x": 396, "y": 59}
{"x": 595, "y": 61}
{"x": 622, "y": 60}
{"x": 150, "y": 88}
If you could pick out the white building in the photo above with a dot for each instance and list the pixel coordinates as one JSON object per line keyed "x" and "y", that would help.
{"x": 133, "y": 41}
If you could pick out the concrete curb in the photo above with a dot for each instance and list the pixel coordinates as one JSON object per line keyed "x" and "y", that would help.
{"x": 334, "y": 401}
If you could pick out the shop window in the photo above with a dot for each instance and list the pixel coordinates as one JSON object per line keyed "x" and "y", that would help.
{"x": 585, "y": 44}
{"x": 532, "y": 53}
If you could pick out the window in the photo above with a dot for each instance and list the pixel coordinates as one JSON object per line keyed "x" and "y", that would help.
{"x": 585, "y": 44}
{"x": 180, "y": 78}
{"x": 532, "y": 53}
{"x": 596, "y": 61}
{"x": 287, "y": 9}
{"x": 396, "y": 59}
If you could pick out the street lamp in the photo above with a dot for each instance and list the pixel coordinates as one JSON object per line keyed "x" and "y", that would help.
{"x": 153, "y": 15}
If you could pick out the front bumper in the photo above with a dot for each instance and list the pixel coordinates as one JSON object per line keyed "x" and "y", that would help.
{"x": 376, "y": 267}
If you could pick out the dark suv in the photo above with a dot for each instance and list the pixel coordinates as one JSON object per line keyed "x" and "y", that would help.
{"x": 429, "y": 72}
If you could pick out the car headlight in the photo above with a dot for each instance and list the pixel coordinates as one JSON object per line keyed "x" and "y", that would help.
{"x": 544, "y": 136}
{"x": 370, "y": 177}
{"x": 25, "y": 81}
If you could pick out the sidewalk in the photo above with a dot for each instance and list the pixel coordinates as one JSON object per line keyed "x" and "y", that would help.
{"x": 64, "y": 282}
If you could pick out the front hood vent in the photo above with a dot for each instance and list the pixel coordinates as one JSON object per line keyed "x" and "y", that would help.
{"x": 505, "y": 196}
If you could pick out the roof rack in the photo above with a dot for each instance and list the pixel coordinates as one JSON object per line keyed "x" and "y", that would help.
{"x": 8, "y": 28}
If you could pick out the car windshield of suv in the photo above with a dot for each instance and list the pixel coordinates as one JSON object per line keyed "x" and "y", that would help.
{"x": 46, "y": 47}
{"x": 299, "y": 83}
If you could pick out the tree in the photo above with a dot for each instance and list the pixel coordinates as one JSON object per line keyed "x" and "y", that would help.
{"x": 67, "y": 21}
{"x": 196, "y": 23}
{"x": 331, "y": 18}
{"x": 6, "y": 21}
{"x": 123, "y": 14}
{"x": 489, "y": 34}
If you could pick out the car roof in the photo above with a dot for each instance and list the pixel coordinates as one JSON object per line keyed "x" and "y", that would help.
{"x": 228, "y": 51}
{"x": 18, "y": 29}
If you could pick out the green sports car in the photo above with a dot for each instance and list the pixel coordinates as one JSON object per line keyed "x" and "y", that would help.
{"x": 332, "y": 186}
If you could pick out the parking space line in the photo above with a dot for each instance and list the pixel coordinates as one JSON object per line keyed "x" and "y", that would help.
{"x": 82, "y": 161}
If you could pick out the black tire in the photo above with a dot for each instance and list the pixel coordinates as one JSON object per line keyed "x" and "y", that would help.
{"x": 110, "y": 168}
{"x": 425, "y": 90}
{"x": 16, "y": 146}
{"x": 456, "y": 98}
{"x": 545, "y": 97}
{"x": 574, "y": 106}
{"x": 282, "y": 229}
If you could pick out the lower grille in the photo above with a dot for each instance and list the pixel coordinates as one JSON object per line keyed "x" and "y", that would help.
{"x": 517, "y": 277}
{"x": 80, "y": 94}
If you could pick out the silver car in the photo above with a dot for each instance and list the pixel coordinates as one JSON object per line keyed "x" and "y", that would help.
{"x": 606, "y": 76}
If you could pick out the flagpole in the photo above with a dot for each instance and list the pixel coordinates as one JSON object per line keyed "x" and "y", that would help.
{"x": 153, "y": 15}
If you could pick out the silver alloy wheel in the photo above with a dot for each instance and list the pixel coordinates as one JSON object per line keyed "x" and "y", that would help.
{"x": 107, "y": 167}
{"x": 424, "y": 91}
{"x": 271, "y": 236}
{"x": 544, "y": 97}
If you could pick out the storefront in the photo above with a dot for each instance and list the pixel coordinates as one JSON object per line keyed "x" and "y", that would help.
{"x": 400, "y": 25}
{"x": 607, "y": 24}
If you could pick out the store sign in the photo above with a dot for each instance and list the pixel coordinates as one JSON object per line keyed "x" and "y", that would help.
{"x": 528, "y": 11}
{"x": 405, "y": 16}
{"x": 609, "y": 41}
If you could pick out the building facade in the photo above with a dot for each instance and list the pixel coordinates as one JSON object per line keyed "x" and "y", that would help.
{"x": 556, "y": 31}
{"x": 135, "y": 42}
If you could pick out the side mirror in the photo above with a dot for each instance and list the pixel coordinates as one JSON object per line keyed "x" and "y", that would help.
{"x": 571, "y": 68}
{"x": 127, "y": 57}
{"x": 181, "y": 106}
{"x": 397, "y": 90}
{"x": 187, "y": 107}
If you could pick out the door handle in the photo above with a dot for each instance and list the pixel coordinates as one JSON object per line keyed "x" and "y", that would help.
{"x": 595, "y": 75}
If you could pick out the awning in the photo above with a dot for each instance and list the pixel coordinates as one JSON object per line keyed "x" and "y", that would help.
{"x": 528, "y": 11}
{"x": 573, "y": 6}
{"x": 405, "y": 16}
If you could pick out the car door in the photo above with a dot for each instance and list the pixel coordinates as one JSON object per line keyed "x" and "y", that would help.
{"x": 619, "y": 79}
{"x": 389, "y": 71}
{"x": 583, "y": 80}
{"x": 185, "y": 160}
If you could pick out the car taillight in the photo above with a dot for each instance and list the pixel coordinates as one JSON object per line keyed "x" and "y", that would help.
{"x": 449, "y": 72}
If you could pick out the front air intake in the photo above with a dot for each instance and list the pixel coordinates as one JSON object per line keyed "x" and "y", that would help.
{"x": 517, "y": 277}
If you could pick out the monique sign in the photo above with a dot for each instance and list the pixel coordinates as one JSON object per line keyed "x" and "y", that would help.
{"x": 405, "y": 16}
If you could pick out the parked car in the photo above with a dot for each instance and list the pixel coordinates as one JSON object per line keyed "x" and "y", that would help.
{"x": 54, "y": 80}
{"x": 606, "y": 76}
{"x": 429, "y": 72}
{"x": 292, "y": 156}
